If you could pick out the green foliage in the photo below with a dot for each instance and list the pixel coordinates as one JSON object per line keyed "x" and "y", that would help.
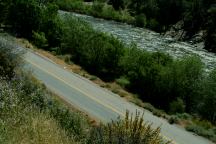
{"x": 25, "y": 17}
{"x": 124, "y": 82}
{"x": 39, "y": 39}
{"x": 208, "y": 105}
{"x": 97, "y": 52}
{"x": 141, "y": 20}
{"x": 177, "y": 106}
{"x": 9, "y": 58}
{"x": 153, "y": 24}
{"x": 128, "y": 131}
{"x": 173, "y": 85}
{"x": 51, "y": 25}
{"x": 158, "y": 15}
{"x": 182, "y": 79}
{"x": 184, "y": 116}
{"x": 208, "y": 133}
{"x": 97, "y": 7}
{"x": 173, "y": 120}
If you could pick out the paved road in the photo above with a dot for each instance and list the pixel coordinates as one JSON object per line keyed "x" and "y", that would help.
{"x": 98, "y": 102}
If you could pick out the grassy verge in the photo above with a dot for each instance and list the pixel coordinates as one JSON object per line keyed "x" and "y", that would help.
{"x": 30, "y": 115}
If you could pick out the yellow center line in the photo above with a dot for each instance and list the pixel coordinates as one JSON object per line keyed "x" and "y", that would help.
{"x": 88, "y": 95}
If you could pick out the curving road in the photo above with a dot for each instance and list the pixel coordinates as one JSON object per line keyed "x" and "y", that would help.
{"x": 96, "y": 101}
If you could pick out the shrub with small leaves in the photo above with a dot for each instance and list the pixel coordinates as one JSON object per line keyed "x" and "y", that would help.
{"x": 131, "y": 130}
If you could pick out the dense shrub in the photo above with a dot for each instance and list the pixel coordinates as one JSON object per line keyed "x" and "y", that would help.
{"x": 177, "y": 106}
{"x": 122, "y": 81}
{"x": 207, "y": 106}
{"x": 141, "y": 20}
{"x": 97, "y": 52}
{"x": 25, "y": 18}
{"x": 10, "y": 58}
{"x": 39, "y": 39}
{"x": 97, "y": 7}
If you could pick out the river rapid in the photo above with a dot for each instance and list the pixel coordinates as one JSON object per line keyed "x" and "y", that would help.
{"x": 149, "y": 40}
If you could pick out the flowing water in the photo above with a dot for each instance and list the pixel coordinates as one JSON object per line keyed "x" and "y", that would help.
{"x": 149, "y": 40}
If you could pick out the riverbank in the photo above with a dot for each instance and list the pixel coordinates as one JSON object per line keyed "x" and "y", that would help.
{"x": 156, "y": 16}
{"x": 149, "y": 40}
{"x": 96, "y": 9}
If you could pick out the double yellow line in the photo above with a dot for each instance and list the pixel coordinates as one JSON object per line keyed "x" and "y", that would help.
{"x": 86, "y": 94}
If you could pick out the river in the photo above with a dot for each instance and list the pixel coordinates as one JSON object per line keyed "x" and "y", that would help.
{"x": 149, "y": 40}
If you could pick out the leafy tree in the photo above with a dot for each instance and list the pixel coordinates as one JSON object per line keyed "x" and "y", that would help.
{"x": 97, "y": 52}
{"x": 208, "y": 104}
{"x": 51, "y": 25}
{"x": 183, "y": 81}
{"x": 25, "y": 17}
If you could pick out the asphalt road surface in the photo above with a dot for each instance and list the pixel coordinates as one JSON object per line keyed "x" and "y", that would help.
{"x": 96, "y": 101}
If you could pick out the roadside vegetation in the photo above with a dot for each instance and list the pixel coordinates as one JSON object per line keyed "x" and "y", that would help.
{"x": 176, "y": 86}
{"x": 30, "y": 114}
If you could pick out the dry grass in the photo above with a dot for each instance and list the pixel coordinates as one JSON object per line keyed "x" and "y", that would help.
{"x": 40, "y": 130}
{"x": 37, "y": 128}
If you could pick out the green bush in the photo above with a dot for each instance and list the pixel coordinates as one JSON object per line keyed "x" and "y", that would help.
{"x": 174, "y": 120}
{"x": 97, "y": 7}
{"x": 25, "y": 17}
{"x": 207, "y": 108}
{"x": 95, "y": 51}
{"x": 177, "y": 106}
{"x": 10, "y": 58}
{"x": 141, "y": 20}
{"x": 184, "y": 116}
{"x": 124, "y": 82}
{"x": 130, "y": 131}
{"x": 39, "y": 39}
{"x": 153, "y": 24}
